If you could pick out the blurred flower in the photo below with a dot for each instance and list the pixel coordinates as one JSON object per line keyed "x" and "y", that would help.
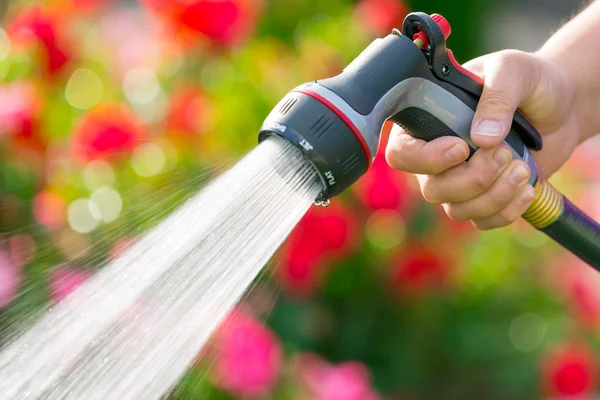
{"x": 383, "y": 188}
{"x": 582, "y": 287}
{"x": 324, "y": 235}
{"x": 10, "y": 278}
{"x": 188, "y": 112}
{"x": 569, "y": 371}
{"x": 381, "y": 16}
{"x": 222, "y": 21}
{"x": 64, "y": 280}
{"x": 420, "y": 269}
{"x": 119, "y": 247}
{"x": 35, "y": 25}
{"x": 22, "y": 249}
{"x": 78, "y": 6}
{"x": 346, "y": 381}
{"x": 107, "y": 131}
{"x": 585, "y": 156}
{"x": 19, "y": 105}
{"x": 49, "y": 209}
{"x": 247, "y": 356}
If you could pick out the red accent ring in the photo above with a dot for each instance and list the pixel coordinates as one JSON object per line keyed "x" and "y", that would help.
{"x": 343, "y": 117}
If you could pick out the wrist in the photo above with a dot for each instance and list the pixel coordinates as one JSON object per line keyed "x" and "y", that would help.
{"x": 582, "y": 94}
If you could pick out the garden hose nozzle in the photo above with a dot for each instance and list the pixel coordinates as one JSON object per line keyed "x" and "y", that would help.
{"x": 411, "y": 78}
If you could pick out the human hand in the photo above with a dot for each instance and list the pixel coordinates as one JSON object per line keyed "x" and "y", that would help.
{"x": 491, "y": 189}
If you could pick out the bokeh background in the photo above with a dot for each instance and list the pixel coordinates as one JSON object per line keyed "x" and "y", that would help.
{"x": 112, "y": 113}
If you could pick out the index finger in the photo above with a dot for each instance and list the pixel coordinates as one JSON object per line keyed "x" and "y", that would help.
{"x": 417, "y": 156}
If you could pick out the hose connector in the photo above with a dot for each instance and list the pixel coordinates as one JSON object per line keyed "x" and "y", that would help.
{"x": 547, "y": 206}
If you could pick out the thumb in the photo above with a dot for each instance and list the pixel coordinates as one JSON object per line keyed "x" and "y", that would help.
{"x": 509, "y": 77}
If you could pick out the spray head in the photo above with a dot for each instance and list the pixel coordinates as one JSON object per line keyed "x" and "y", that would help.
{"x": 336, "y": 122}
{"x": 325, "y": 138}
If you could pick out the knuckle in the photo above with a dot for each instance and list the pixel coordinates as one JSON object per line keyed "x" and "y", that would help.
{"x": 455, "y": 213}
{"x": 502, "y": 197}
{"x": 484, "y": 225}
{"x": 508, "y": 216}
{"x": 511, "y": 58}
{"x": 482, "y": 181}
{"x": 497, "y": 100}
{"x": 430, "y": 191}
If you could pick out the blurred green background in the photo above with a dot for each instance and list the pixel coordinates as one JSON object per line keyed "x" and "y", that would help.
{"x": 112, "y": 113}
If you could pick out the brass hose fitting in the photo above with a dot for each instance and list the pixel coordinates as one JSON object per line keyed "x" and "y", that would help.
{"x": 547, "y": 206}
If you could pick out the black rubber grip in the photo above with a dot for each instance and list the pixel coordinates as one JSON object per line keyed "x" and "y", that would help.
{"x": 422, "y": 125}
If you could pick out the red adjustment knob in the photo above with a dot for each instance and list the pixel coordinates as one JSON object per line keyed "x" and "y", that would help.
{"x": 441, "y": 22}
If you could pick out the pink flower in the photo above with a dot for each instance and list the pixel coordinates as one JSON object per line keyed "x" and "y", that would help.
{"x": 10, "y": 279}
{"x": 346, "y": 381}
{"x": 381, "y": 16}
{"x": 247, "y": 356}
{"x": 581, "y": 284}
{"x": 65, "y": 279}
{"x": 36, "y": 25}
{"x": 18, "y": 108}
{"x": 108, "y": 131}
{"x": 570, "y": 371}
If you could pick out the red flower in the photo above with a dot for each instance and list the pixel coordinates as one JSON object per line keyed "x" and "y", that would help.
{"x": 346, "y": 381}
{"x": 324, "y": 235}
{"x": 419, "y": 269}
{"x": 383, "y": 188}
{"x": 247, "y": 356}
{"x": 222, "y": 21}
{"x": 187, "y": 114}
{"x": 570, "y": 370}
{"x": 107, "y": 131}
{"x": 36, "y": 25}
{"x": 381, "y": 16}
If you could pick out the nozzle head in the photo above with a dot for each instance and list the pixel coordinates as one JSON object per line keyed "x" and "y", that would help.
{"x": 325, "y": 139}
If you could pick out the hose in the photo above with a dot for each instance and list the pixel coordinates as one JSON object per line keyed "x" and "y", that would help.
{"x": 570, "y": 227}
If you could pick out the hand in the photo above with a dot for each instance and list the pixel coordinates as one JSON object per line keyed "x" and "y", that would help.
{"x": 491, "y": 189}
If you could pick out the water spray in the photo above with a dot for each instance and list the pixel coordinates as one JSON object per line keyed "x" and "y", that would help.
{"x": 411, "y": 78}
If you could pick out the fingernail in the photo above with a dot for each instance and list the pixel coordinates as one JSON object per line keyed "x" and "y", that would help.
{"x": 488, "y": 127}
{"x": 501, "y": 157}
{"x": 457, "y": 153}
{"x": 527, "y": 196}
{"x": 519, "y": 175}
